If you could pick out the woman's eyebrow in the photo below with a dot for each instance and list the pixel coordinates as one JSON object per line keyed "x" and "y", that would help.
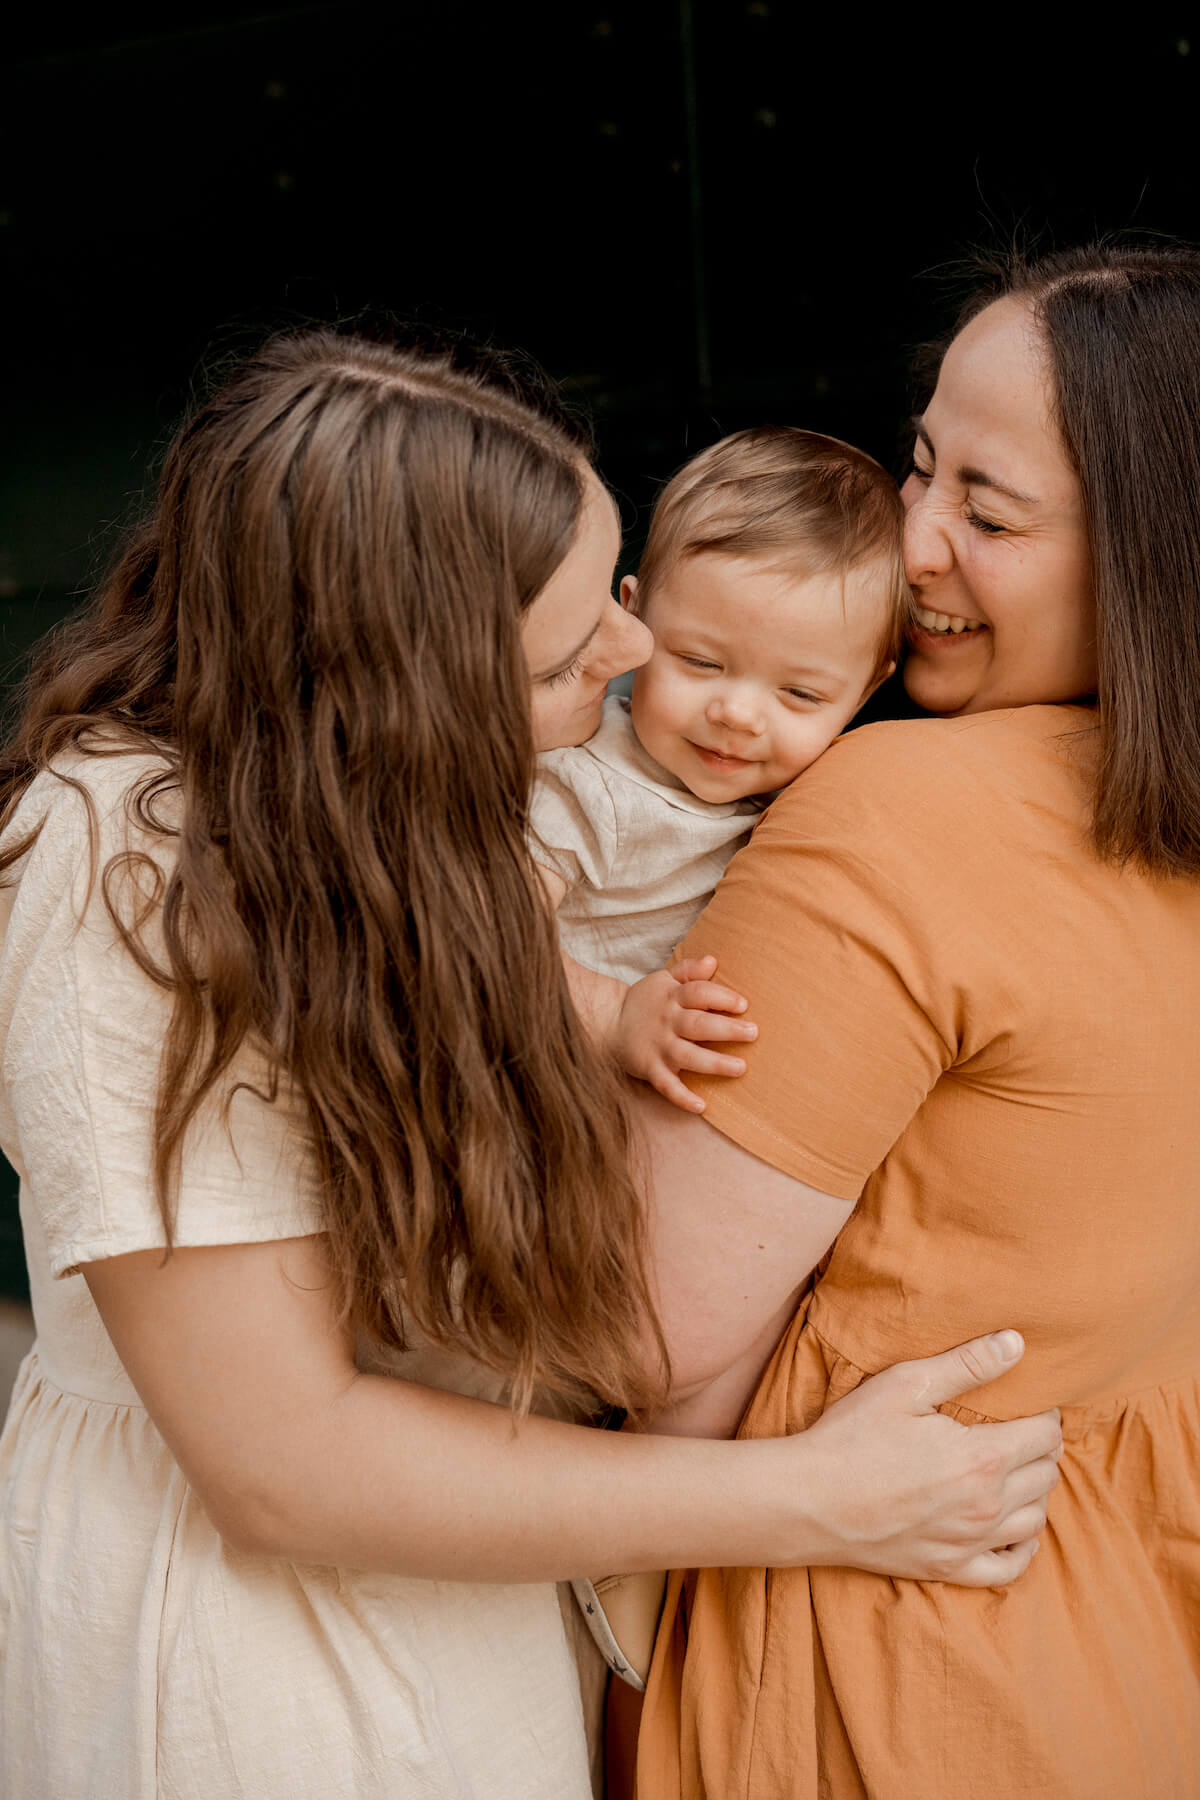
{"x": 973, "y": 477}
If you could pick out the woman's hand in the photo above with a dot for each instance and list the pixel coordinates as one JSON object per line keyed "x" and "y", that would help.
{"x": 905, "y": 1490}
{"x": 668, "y": 1018}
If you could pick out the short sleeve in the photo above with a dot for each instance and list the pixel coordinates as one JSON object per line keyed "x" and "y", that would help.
{"x": 81, "y": 1035}
{"x": 573, "y": 821}
{"x": 851, "y": 922}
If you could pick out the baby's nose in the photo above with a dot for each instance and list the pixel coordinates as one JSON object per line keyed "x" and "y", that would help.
{"x": 737, "y": 709}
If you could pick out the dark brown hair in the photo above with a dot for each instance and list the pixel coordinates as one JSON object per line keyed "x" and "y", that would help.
{"x": 796, "y": 498}
{"x": 318, "y": 630}
{"x": 1122, "y": 326}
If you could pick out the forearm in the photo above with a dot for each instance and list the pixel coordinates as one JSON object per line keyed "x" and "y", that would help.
{"x": 423, "y": 1483}
{"x": 293, "y": 1452}
{"x": 598, "y": 1000}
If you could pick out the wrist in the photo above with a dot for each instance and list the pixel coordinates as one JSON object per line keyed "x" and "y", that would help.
{"x": 768, "y": 1508}
{"x": 598, "y": 999}
{"x": 800, "y": 1506}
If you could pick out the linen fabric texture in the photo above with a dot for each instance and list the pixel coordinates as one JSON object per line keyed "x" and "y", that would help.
{"x": 995, "y": 1038}
{"x": 639, "y": 852}
{"x": 140, "y": 1655}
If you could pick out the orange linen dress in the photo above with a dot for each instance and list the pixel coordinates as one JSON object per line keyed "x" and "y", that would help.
{"x": 995, "y": 1039}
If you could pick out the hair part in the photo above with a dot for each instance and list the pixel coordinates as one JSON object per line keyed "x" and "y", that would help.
{"x": 792, "y": 498}
{"x": 1121, "y": 324}
{"x": 318, "y": 632}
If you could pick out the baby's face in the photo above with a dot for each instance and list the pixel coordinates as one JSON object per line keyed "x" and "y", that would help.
{"x": 754, "y": 670}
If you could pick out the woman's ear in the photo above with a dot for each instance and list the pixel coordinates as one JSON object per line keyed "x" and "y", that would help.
{"x": 629, "y": 592}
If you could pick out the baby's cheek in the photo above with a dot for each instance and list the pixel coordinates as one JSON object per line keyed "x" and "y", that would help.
{"x": 671, "y": 699}
{"x": 810, "y": 740}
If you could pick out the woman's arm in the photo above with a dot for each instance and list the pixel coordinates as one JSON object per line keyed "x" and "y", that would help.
{"x": 733, "y": 1241}
{"x": 237, "y": 1355}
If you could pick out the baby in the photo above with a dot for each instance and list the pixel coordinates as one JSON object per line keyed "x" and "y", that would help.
{"x": 774, "y": 587}
{"x": 773, "y": 584}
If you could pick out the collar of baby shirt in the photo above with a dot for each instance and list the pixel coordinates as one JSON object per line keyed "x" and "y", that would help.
{"x": 617, "y": 746}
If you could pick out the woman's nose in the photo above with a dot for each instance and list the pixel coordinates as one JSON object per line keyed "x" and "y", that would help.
{"x": 735, "y": 708}
{"x": 625, "y": 643}
{"x": 927, "y": 549}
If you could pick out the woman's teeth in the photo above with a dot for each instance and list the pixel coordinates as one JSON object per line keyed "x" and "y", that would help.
{"x": 944, "y": 622}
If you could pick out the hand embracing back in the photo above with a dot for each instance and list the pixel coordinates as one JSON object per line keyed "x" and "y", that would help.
{"x": 904, "y": 1490}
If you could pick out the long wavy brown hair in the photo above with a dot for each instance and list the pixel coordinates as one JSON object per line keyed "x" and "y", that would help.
{"x": 318, "y": 630}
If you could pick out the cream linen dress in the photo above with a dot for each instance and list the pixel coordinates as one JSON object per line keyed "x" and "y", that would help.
{"x": 139, "y": 1654}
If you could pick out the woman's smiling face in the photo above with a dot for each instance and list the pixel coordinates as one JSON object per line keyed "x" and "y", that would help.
{"x": 995, "y": 545}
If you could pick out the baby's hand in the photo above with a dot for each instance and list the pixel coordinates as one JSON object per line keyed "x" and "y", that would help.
{"x": 666, "y": 1018}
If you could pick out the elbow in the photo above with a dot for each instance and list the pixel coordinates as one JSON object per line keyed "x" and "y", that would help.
{"x": 280, "y": 1492}
{"x": 251, "y": 1518}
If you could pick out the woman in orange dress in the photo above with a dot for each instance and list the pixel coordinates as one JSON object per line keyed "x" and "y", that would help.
{"x": 972, "y": 947}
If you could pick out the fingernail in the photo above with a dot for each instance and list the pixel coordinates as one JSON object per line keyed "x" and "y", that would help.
{"x": 1037, "y": 1544}
{"x": 1007, "y": 1344}
{"x": 749, "y": 1031}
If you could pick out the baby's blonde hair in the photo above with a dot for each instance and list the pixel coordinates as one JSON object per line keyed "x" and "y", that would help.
{"x": 794, "y": 498}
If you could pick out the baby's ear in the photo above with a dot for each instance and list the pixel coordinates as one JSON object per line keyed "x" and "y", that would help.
{"x": 879, "y": 681}
{"x": 629, "y": 593}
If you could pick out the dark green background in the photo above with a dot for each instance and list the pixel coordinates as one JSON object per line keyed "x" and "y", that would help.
{"x": 699, "y": 215}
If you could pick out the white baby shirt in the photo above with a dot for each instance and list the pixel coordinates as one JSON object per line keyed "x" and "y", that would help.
{"x": 640, "y": 854}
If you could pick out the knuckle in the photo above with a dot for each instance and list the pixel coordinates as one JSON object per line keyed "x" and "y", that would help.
{"x": 983, "y": 1517}
{"x": 990, "y": 1464}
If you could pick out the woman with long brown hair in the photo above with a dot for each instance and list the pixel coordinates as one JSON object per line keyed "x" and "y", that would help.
{"x": 292, "y": 1079}
{"x": 972, "y": 947}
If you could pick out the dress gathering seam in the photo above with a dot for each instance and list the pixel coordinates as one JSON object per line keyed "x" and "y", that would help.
{"x": 1081, "y": 1412}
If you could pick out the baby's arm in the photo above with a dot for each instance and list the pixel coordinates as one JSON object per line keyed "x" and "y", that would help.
{"x": 659, "y": 1025}
{"x": 598, "y": 998}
